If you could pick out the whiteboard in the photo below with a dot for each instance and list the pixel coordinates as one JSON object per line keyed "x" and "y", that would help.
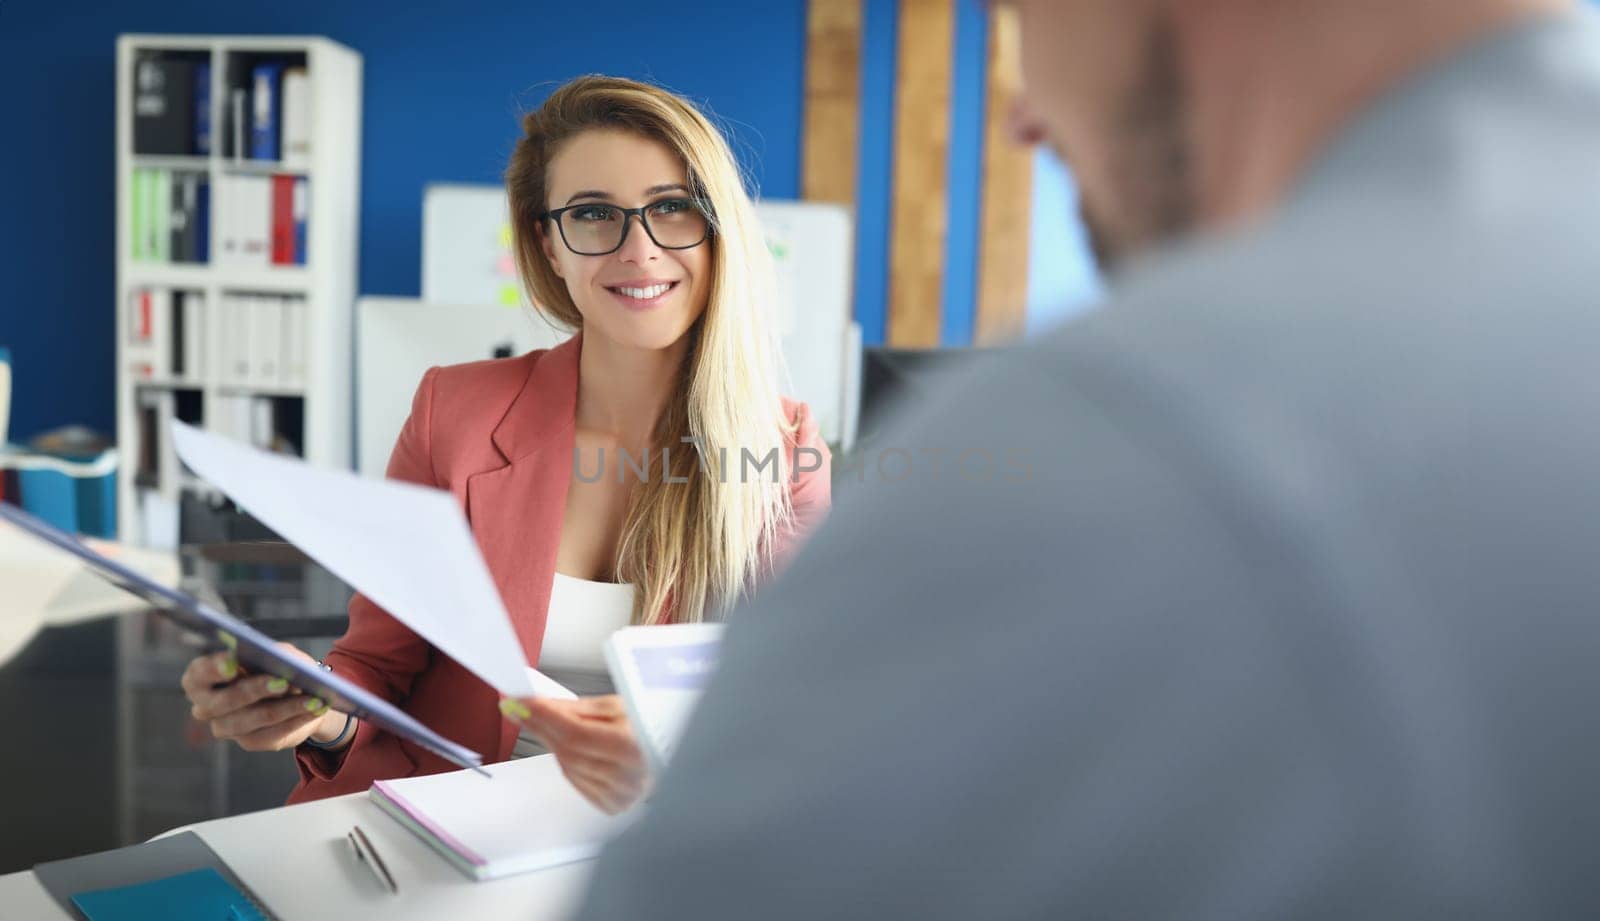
{"x": 467, "y": 259}
{"x": 399, "y": 338}
{"x": 466, "y": 246}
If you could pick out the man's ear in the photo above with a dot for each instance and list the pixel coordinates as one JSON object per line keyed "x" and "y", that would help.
{"x": 548, "y": 244}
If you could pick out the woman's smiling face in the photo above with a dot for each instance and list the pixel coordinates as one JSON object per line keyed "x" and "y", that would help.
{"x": 642, "y": 295}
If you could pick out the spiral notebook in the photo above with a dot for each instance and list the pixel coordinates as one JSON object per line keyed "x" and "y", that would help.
{"x": 173, "y": 878}
{"x": 528, "y": 819}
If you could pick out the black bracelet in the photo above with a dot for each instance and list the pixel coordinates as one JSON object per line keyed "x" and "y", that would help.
{"x": 337, "y": 740}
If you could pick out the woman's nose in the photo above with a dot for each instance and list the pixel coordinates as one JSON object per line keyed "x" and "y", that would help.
{"x": 637, "y": 246}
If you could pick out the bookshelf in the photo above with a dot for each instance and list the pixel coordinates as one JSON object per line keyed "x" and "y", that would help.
{"x": 238, "y": 165}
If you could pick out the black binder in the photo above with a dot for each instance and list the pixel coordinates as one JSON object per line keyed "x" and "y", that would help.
{"x": 179, "y": 356}
{"x": 163, "y": 105}
{"x": 185, "y": 219}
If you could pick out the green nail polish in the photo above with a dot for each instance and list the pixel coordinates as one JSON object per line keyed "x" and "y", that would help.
{"x": 315, "y": 705}
{"x": 227, "y": 639}
{"x": 229, "y": 668}
{"x": 277, "y": 686}
{"x": 515, "y": 709}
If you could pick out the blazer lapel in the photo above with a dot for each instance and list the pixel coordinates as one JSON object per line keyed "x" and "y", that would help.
{"x": 516, "y": 510}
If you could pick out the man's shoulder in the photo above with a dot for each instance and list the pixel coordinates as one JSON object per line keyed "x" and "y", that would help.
{"x": 1346, "y": 292}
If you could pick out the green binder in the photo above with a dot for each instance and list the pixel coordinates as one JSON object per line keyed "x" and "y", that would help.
{"x": 136, "y": 229}
{"x": 160, "y": 211}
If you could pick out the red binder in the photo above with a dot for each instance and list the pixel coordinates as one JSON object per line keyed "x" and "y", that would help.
{"x": 143, "y": 328}
{"x": 283, "y": 220}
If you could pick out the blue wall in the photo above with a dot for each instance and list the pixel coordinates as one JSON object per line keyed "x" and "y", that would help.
{"x": 442, "y": 93}
{"x": 969, "y": 79}
{"x": 443, "y": 88}
{"x": 875, "y": 168}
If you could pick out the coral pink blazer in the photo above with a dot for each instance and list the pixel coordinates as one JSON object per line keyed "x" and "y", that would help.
{"x": 499, "y": 436}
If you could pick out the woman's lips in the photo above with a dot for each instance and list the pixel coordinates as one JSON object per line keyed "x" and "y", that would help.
{"x": 642, "y": 296}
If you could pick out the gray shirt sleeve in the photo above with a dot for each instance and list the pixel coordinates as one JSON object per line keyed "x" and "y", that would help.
{"x": 1050, "y": 684}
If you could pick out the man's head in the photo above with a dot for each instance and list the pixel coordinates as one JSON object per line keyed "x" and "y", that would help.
{"x": 1177, "y": 114}
{"x": 1103, "y": 89}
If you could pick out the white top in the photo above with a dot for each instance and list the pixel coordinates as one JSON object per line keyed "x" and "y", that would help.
{"x": 581, "y": 616}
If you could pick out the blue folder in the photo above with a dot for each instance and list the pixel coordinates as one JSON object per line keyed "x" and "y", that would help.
{"x": 199, "y": 895}
{"x": 174, "y": 877}
{"x": 254, "y": 649}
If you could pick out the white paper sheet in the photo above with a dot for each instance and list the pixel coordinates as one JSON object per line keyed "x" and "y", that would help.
{"x": 407, "y": 548}
{"x": 41, "y": 586}
{"x": 31, "y": 574}
{"x": 546, "y": 686}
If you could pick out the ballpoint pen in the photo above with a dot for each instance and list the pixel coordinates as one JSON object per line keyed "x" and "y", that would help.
{"x": 367, "y": 854}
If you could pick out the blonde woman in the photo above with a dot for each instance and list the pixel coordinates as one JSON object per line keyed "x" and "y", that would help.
{"x": 646, "y": 471}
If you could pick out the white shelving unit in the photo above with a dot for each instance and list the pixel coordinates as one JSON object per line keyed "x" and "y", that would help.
{"x": 160, "y": 770}
{"x": 326, "y": 283}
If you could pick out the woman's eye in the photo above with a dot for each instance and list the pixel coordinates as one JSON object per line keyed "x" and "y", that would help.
{"x": 597, "y": 213}
{"x": 674, "y": 206}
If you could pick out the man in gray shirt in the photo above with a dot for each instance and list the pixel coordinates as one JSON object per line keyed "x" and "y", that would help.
{"x": 1291, "y": 608}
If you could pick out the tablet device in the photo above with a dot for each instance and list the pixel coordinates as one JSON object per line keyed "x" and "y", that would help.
{"x": 660, "y": 672}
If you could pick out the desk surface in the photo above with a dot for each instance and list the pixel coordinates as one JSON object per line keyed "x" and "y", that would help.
{"x": 296, "y": 859}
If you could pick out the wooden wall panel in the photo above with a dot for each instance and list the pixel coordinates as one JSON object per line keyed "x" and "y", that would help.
{"x": 1007, "y": 195}
{"x": 919, "y": 209}
{"x": 832, "y": 101}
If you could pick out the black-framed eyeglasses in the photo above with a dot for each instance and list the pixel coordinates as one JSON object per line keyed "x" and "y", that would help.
{"x": 598, "y": 229}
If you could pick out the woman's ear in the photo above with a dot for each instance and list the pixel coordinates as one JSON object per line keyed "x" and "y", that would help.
{"x": 548, "y": 244}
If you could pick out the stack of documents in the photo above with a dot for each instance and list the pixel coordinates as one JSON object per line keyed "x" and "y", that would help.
{"x": 406, "y": 547}
{"x": 524, "y": 817}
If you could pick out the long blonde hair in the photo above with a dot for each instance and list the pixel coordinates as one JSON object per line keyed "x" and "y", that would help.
{"x": 697, "y": 546}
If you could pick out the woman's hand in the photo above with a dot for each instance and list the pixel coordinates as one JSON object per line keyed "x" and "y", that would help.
{"x": 592, "y": 741}
{"x": 259, "y": 712}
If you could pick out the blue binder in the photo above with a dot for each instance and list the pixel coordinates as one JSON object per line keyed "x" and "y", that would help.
{"x": 265, "y": 104}
{"x": 202, "y": 108}
{"x": 202, "y": 218}
{"x": 302, "y": 199}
